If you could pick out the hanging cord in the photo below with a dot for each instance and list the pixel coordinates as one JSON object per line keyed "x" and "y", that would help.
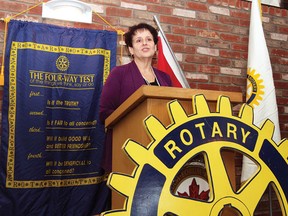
{"x": 36, "y": 5}
{"x": 119, "y": 32}
{"x": 7, "y": 20}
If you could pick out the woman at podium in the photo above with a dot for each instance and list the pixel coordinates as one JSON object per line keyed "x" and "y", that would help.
{"x": 141, "y": 41}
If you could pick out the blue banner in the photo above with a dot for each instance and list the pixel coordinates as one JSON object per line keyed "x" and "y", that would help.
{"x": 52, "y": 142}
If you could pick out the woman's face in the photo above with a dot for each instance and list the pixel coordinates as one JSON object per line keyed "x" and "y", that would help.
{"x": 143, "y": 44}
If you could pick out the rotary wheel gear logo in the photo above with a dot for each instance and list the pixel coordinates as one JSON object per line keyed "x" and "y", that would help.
{"x": 62, "y": 63}
{"x": 255, "y": 88}
{"x": 149, "y": 189}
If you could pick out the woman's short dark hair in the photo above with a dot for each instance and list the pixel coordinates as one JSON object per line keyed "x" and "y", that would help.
{"x": 128, "y": 35}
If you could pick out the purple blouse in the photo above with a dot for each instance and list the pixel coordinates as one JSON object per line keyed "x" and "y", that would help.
{"x": 121, "y": 83}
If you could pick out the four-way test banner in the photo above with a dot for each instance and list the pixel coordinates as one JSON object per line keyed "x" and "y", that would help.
{"x": 52, "y": 141}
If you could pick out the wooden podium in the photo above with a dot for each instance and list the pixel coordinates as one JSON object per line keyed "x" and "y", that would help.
{"x": 127, "y": 122}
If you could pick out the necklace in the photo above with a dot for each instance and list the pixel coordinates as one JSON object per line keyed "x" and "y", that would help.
{"x": 155, "y": 82}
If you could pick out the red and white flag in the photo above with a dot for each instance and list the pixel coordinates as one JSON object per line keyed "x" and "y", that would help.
{"x": 167, "y": 61}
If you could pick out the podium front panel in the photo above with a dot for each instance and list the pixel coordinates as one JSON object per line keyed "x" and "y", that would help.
{"x": 130, "y": 125}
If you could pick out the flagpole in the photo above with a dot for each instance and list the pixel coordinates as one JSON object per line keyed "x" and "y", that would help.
{"x": 172, "y": 53}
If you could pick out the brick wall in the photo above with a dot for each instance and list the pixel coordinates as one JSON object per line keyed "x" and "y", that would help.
{"x": 209, "y": 37}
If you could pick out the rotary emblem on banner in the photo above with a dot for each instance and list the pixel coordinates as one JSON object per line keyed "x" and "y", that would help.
{"x": 182, "y": 171}
{"x": 62, "y": 63}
